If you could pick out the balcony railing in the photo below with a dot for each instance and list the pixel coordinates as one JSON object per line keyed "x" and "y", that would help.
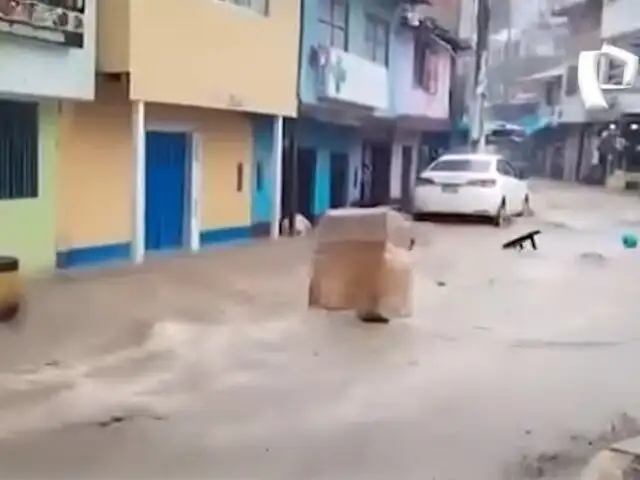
{"x": 347, "y": 78}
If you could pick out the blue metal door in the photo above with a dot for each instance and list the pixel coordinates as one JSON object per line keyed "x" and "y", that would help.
{"x": 166, "y": 180}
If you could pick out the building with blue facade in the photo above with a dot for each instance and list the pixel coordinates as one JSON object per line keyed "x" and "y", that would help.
{"x": 375, "y": 75}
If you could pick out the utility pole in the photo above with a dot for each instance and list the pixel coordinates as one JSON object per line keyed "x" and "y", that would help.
{"x": 508, "y": 55}
{"x": 482, "y": 16}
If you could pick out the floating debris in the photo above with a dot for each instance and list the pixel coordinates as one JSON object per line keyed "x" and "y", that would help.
{"x": 629, "y": 240}
{"x": 594, "y": 257}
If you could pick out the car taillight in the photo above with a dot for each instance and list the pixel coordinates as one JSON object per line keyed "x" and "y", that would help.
{"x": 482, "y": 182}
{"x": 425, "y": 181}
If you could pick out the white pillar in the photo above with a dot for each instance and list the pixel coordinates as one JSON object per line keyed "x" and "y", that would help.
{"x": 276, "y": 170}
{"x": 196, "y": 175}
{"x": 139, "y": 150}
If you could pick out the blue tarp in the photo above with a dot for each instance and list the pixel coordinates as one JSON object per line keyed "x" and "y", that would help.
{"x": 533, "y": 123}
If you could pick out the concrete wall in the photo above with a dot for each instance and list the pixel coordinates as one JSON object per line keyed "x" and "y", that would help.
{"x": 236, "y": 59}
{"x": 326, "y": 138}
{"x": 618, "y": 18}
{"x": 113, "y": 36}
{"x": 28, "y": 225}
{"x": 262, "y": 189}
{"x": 571, "y": 150}
{"x": 466, "y": 19}
{"x": 94, "y": 205}
{"x": 411, "y": 100}
{"x": 384, "y": 9}
{"x": 48, "y": 70}
{"x": 403, "y": 139}
{"x": 95, "y": 200}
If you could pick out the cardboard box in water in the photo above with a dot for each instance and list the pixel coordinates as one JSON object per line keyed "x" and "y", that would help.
{"x": 362, "y": 262}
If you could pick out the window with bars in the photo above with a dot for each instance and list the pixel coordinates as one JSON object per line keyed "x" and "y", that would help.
{"x": 376, "y": 39}
{"x": 258, "y": 6}
{"x": 18, "y": 150}
{"x": 334, "y": 23}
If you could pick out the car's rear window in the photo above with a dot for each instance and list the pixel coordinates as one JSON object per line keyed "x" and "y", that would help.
{"x": 461, "y": 165}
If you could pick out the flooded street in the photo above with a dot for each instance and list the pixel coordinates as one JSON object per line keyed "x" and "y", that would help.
{"x": 515, "y": 365}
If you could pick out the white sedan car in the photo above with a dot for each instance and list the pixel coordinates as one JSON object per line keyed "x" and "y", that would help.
{"x": 475, "y": 184}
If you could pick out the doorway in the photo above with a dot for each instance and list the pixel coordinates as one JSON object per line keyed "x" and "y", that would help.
{"x": 304, "y": 189}
{"x": 339, "y": 179}
{"x": 380, "y": 155}
{"x": 405, "y": 178}
{"x": 166, "y": 192}
{"x": 307, "y": 165}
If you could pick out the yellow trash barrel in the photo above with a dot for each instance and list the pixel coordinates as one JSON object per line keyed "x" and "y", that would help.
{"x": 10, "y": 288}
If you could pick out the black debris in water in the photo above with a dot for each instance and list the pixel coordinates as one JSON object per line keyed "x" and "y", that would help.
{"x": 374, "y": 318}
{"x": 520, "y": 242}
{"x": 112, "y": 421}
{"x": 593, "y": 257}
{"x": 117, "y": 419}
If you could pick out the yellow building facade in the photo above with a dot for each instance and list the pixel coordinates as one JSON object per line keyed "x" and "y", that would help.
{"x": 164, "y": 159}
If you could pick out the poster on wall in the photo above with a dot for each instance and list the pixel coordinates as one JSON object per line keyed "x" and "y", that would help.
{"x": 52, "y": 21}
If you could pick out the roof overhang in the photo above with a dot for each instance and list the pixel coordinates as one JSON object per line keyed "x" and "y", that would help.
{"x": 430, "y": 29}
{"x": 545, "y": 75}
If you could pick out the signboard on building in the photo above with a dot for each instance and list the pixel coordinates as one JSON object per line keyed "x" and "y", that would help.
{"x": 52, "y": 21}
{"x": 592, "y": 70}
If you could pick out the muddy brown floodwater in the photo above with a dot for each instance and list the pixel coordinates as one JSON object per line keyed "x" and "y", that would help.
{"x": 515, "y": 365}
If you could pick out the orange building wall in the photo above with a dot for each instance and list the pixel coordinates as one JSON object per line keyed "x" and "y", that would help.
{"x": 95, "y": 187}
{"x": 95, "y": 171}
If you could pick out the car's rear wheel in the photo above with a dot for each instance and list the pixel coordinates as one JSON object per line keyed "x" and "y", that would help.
{"x": 500, "y": 219}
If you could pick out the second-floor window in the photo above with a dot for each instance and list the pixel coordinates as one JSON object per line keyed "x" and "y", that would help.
{"x": 258, "y": 6}
{"x": 376, "y": 39}
{"x": 333, "y": 22}
{"x": 426, "y": 68}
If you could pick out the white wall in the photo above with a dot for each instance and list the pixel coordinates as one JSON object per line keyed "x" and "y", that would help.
{"x": 407, "y": 99}
{"x": 35, "y": 68}
{"x": 395, "y": 175}
{"x": 402, "y": 139}
{"x": 619, "y": 17}
{"x": 467, "y": 19}
{"x": 572, "y": 110}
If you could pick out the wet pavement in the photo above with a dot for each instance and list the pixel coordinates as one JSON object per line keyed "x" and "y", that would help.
{"x": 515, "y": 365}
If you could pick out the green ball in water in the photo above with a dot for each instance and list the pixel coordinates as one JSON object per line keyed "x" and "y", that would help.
{"x": 629, "y": 240}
